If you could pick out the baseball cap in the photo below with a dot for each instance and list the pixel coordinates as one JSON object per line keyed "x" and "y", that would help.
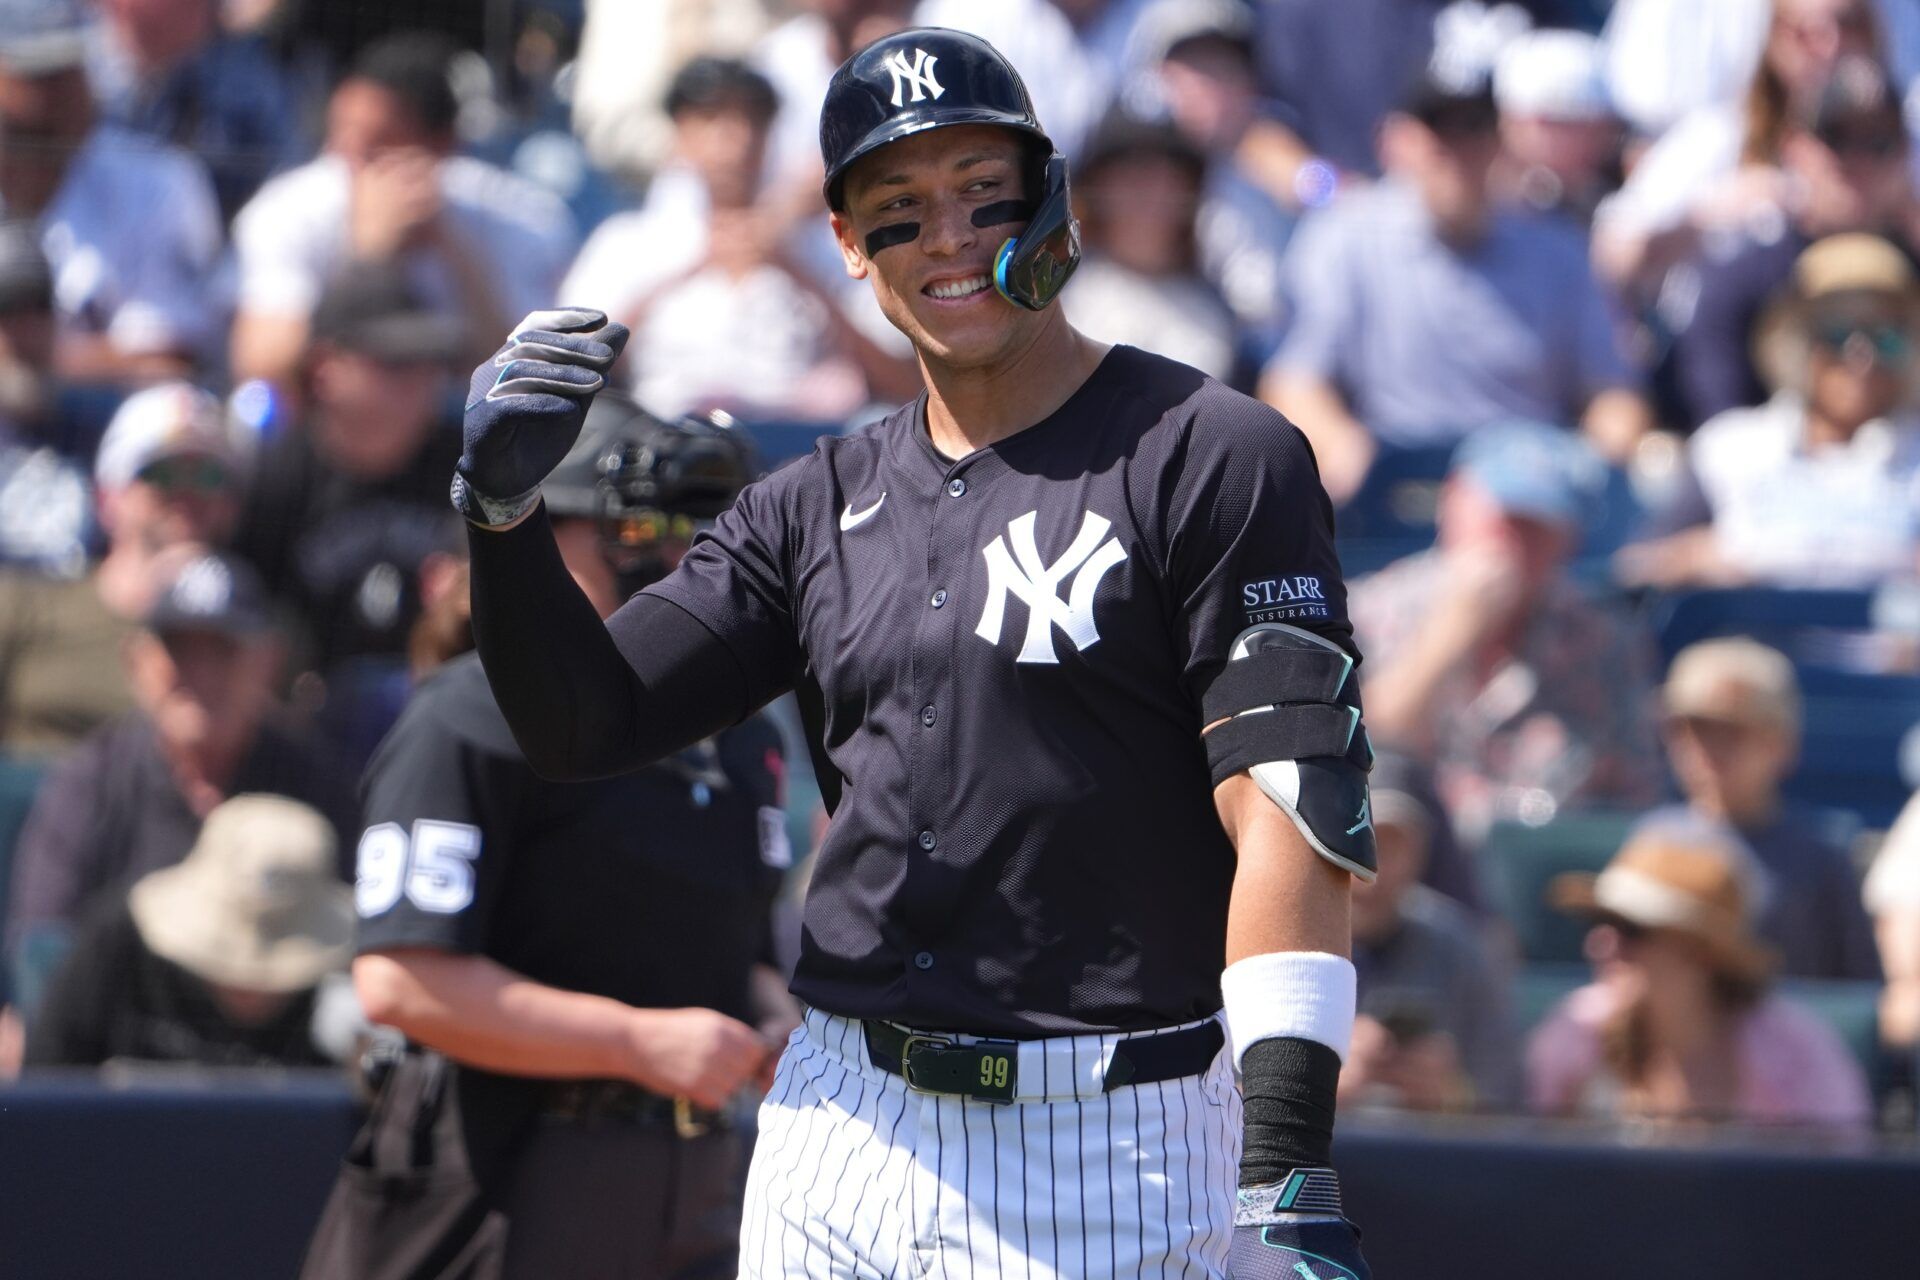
{"x": 1168, "y": 25}
{"x": 26, "y": 281}
{"x": 170, "y": 420}
{"x": 257, "y": 903}
{"x": 1735, "y": 679}
{"x": 41, "y": 37}
{"x": 211, "y": 592}
{"x": 1557, "y": 75}
{"x": 1535, "y": 470}
{"x": 368, "y": 307}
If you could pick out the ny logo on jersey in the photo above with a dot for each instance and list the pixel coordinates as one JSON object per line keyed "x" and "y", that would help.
{"x": 918, "y": 73}
{"x": 1022, "y": 573}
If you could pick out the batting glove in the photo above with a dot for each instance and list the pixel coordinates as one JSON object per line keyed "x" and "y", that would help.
{"x": 1295, "y": 1243}
{"x": 525, "y": 407}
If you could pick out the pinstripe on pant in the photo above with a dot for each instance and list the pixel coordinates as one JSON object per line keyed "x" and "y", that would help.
{"x": 856, "y": 1175}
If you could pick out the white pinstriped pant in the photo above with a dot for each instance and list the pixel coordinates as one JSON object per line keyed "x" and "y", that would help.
{"x": 856, "y": 1175}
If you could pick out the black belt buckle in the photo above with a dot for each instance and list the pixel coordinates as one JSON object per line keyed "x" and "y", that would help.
{"x": 988, "y": 1071}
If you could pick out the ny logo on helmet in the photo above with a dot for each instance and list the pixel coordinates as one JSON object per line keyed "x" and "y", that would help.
{"x": 918, "y": 73}
{"x": 1022, "y": 573}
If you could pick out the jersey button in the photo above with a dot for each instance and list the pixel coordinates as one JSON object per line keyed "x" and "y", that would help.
{"x": 927, "y": 716}
{"x": 956, "y": 487}
{"x": 927, "y": 841}
{"x": 923, "y": 960}
{"x": 938, "y": 598}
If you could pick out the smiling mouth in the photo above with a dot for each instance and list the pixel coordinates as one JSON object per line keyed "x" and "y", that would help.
{"x": 949, "y": 290}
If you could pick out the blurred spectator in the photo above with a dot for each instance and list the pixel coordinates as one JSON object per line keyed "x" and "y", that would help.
{"x": 1435, "y": 1031}
{"x": 349, "y": 505}
{"x": 1733, "y": 735}
{"x": 798, "y": 57}
{"x": 1138, "y": 194}
{"x": 1561, "y": 137}
{"x": 1892, "y": 895}
{"x": 1719, "y": 166}
{"x": 170, "y": 474}
{"x": 132, "y": 798}
{"x": 1486, "y": 660}
{"x": 130, "y": 227}
{"x": 217, "y": 961}
{"x": 1201, "y": 55}
{"x": 1665, "y": 60}
{"x": 478, "y": 243}
{"x": 1335, "y": 71}
{"x": 167, "y": 69}
{"x": 1679, "y": 1024}
{"x": 723, "y": 314}
{"x": 628, "y": 55}
{"x": 45, "y": 523}
{"x": 1847, "y": 169}
{"x": 1422, "y": 311}
{"x": 1820, "y": 486}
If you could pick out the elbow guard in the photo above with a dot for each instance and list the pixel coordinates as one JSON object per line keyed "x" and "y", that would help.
{"x": 1288, "y": 711}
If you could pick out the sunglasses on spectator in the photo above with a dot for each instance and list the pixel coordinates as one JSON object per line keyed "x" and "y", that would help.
{"x": 188, "y": 475}
{"x": 1874, "y": 144}
{"x": 1890, "y": 343}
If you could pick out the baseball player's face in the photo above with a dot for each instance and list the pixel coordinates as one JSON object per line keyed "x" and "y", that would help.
{"x": 910, "y": 227}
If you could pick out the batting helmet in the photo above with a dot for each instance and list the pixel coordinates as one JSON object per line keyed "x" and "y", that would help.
{"x": 929, "y": 78}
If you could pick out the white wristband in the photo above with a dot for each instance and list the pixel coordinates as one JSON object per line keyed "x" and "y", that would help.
{"x": 1306, "y": 994}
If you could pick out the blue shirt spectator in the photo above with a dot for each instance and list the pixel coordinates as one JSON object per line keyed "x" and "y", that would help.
{"x": 166, "y": 71}
{"x": 1429, "y": 339}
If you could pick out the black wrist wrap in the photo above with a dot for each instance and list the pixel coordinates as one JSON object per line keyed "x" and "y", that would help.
{"x": 1287, "y": 1085}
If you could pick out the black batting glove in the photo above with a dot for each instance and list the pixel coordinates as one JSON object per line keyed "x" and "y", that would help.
{"x": 524, "y": 410}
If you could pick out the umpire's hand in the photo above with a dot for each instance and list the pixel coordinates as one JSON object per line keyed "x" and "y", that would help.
{"x": 697, "y": 1054}
{"x": 524, "y": 410}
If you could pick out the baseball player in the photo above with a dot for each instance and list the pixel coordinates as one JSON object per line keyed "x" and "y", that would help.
{"x": 575, "y": 965}
{"x": 1069, "y": 636}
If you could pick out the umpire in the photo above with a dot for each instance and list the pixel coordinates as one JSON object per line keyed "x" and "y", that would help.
{"x": 578, "y": 969}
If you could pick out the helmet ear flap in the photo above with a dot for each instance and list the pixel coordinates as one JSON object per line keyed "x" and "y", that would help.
{"x": 1032, "y": 268}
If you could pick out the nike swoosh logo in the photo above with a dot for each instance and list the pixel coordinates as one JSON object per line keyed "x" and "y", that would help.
{"x": 851, "y": 519}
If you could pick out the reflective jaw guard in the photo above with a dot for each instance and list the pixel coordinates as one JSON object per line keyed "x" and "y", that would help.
{"x": 1032, "y": 268}
{"x": 1289, "y": 712}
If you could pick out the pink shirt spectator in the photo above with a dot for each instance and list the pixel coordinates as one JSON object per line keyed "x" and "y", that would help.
{"x": 1793, "y": 1069}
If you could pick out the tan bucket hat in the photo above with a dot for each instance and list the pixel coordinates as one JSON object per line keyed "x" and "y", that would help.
{"x": 257, "y": 903}
{"x": 1851, "y": 263}
{"x": 1663, "y": 880}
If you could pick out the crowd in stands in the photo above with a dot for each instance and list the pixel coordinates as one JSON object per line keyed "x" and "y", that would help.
{"x": 1602, "y": 319}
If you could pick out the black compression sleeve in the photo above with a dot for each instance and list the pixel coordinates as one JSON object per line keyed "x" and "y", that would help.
{"x": 1287, "y": 1085}
{"x": 582, "y": 702}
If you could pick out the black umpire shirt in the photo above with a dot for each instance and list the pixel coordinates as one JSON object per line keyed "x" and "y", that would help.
{"x": 652, "y": 888}
{"x": 1006, "y": 654}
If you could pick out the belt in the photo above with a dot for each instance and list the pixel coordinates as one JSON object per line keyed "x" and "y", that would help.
{"x": 988, "y": 1070}
{"x": 589, "y": 1100}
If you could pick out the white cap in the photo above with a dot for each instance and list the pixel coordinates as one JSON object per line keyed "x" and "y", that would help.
{"x": 173, "y": 419}
{"x": 1555, "y": 74}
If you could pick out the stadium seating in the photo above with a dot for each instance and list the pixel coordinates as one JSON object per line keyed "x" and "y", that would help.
{"x": 1518, "y": 862}
{"x": 1804, "y": 625}
{"x": 19, "y": 780}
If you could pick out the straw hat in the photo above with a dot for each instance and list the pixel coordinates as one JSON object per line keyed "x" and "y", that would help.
{"x": 256, "y": 904}
{"x": 1664, "y": 880}
{"x": 1854, "y": 263}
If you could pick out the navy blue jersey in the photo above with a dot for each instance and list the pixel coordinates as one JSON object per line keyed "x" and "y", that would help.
{"x": 652, "y": 888}
{"x": 1004, "y": 658}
